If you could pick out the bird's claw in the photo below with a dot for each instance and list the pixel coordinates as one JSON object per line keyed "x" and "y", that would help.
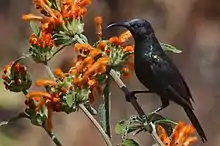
{"x": 131, "y": 94}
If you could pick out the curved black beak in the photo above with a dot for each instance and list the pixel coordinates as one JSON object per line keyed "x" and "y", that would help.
{"x": 123, "y": 24}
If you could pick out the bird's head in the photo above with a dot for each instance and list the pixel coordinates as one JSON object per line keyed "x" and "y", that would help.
{"x": 139, "y": 28}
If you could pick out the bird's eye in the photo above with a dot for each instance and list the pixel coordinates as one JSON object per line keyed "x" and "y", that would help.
{"x": 138, "y": 25}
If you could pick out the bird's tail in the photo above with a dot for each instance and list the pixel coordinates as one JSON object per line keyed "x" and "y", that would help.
{"x": 195, "y": 123}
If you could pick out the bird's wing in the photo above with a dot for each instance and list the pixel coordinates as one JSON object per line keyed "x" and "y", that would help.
{"x": 168, "y": 75}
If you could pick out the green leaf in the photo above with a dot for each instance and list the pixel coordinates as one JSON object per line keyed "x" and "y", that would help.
{"x": 34, "y": 28}
{"x": 120, "y": 127}
{"x": 83, "y": 38}
{"x": 101, "y": 111}
{"x": 162, "y": 121}
{"x": 104, "y": 109}
{"x": 70, "y": 99}
{"x": 126, "y": 55}
{"x": 169, "y": 48}
{"x": 130, "y": 142}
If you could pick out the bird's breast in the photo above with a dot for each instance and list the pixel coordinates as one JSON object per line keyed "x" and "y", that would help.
{"x": 145, "y": 75}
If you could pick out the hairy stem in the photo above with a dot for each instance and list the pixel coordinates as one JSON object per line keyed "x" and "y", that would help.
{"x": 135, "y": 104}
{"x": 97, "y": 125}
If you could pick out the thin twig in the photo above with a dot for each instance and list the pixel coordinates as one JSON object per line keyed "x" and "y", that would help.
{"x": 97, "y": 125}
{"x": 49, "y": 71}
{"x": 83, "y": 108}
{"x": 53, "y": 137}
{"x": 135, "y": 104}
{"x": 155, "y": 136}
{"x": 60, "y": 49}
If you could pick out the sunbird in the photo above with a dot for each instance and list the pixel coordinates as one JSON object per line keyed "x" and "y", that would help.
{"x": 157, "y": 72}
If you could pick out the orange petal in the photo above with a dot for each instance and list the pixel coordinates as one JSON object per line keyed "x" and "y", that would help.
{"x": 30, "y": 17}
{"x": 38, "y": 93}
{"x": 84, "y": 3}
{"x": 115, "y": 41}
{"x": 176, "y": 130}
{"x": 98, "y": 20}
{"x": 58, "y": 72}
{"x": 101, "y": 45}
{"x": 48, "y": 9}
{"x": 190, "y": 140}
{"x": 104, "y": 60}
{"x": 95, "y": 52}
{"x": 128, "y": 48}
{"x": 41, "y": 82}
{"x": 161, "y": 132}
{"x": 88, "y": 60}
{"x": 125, "y": 36}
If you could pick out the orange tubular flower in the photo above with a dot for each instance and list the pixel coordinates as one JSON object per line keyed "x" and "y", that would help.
{"x": 38, "y": 94}
{"x": 45, "y": 83}
{"x": 40, "y": 99}
{"x": 180, "y": 136}
{"x": 44, "y": 41}
{"x": 125, "y": 36}
{"x": 115, "y": 40}
{"x": 101, "y": 45}
{"x": 128, "y": 48}
{"x": 98, "y": 22}
{"x": 84, "y": 3}
{"x": 58, "y": 73}
{"x": 77, "y": 68}
{"x": 30, "y": 17}
{"x": 98, "y": 67}
{"x": 83, "y": 48}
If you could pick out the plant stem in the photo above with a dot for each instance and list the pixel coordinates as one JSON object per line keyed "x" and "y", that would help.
{"x": 107, "y": 108}
{"x": 135, "y": 104}
{"x": 49, "y": 71}
{"x": 93, "y": 120}
{"x": 97, "y": 125}
{"x": 53, "y": 137}
{"x": 60, "y": 49}
{"x": 83, "y": 108}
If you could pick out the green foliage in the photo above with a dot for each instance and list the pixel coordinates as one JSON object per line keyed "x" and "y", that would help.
{"x": 104, "y": 109}
{"x": 35, "y": 28}
{"x": 137, "y": 124}
{"x": 130, "y": 142}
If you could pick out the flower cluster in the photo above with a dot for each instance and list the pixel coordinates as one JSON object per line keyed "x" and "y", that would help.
{"x": 180, "y": 136}
{"x": 16, "y": 78}
{"x": 61, "y": 24}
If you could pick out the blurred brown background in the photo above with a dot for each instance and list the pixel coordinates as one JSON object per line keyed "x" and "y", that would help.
{"x": 193, "y": 26}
